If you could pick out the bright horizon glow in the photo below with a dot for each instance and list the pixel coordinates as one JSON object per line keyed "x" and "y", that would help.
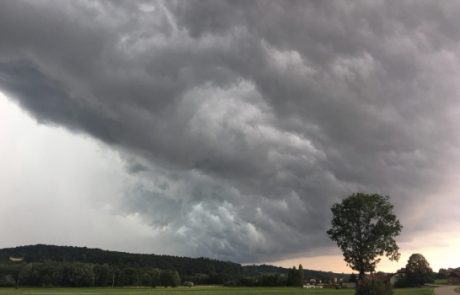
{"x": 439, "y": 255}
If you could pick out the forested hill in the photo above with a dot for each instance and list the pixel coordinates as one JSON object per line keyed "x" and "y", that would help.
{"x": 198, "y": 269}
{"x": 184, "y": 265}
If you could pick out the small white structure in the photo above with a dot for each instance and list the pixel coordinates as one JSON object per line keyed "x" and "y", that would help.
{"x": 16, "y": 259}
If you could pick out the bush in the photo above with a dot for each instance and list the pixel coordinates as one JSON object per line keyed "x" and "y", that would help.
{"x": 401, "y": 283}
{"x": 374, "y": 287}
{"x": 169, "y": 278}
{"x": 232, "y": 283}
{"x": 7, "y": 281}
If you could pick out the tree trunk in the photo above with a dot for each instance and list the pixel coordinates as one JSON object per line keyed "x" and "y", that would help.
{"x": 361, "y": 277}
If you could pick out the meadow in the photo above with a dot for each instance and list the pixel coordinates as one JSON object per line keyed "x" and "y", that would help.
{"x": 206, "y": 290}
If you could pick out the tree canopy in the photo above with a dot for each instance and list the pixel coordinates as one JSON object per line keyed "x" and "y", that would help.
{"x": 364, "y": 227}
{"x": 418, "y": 271}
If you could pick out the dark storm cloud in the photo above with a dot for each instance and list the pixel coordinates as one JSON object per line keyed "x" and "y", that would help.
{"x": 245, "y": 121}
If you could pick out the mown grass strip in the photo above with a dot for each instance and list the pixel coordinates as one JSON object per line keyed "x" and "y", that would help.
{"x": 204, "y": 290}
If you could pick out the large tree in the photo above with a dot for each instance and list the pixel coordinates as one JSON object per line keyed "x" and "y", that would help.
{"x": 418, "y": 271}
{"x": 364, "y": 227}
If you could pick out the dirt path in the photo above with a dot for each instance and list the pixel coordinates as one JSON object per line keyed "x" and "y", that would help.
{"x": 446, "y": 290}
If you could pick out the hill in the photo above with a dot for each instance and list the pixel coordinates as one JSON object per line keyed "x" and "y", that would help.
{"x": 184, "y": 265}
{"x": 129, "y": 268}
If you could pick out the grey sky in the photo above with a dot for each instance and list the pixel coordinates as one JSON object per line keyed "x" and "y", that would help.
{"x": 238, "y": 123}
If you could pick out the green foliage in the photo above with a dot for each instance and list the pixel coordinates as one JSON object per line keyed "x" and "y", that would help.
{"x": 169, "y": 278}
{"x": 130, "y": 276}
{"x": 442, "y": 274}
{"x": 151, "y": 278}
{"x": 401, "y": 283}
{"x": 59, "y": 274}
{"x": 291, "y": 276}
{"x": 418, "y": 271}
{"x": 301, "y": 276}
{"x": 102, "y": 275}
{"x": 364, "y": 227}
{"x": 197, "y": 278}
{"x": 263, "y": 280}
{"x": 353, "y": 278}
{"x": 77, "y": 274}
{"x": 7, "y": 281}
{"x": 10, "y": 272}
{"x": 295, "y": 278}
{"x": 257, "y": 270}
{"x": 272, "y": 280}
{"x": 374, "y": 287}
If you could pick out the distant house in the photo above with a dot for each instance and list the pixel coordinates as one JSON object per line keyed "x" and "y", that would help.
{"x": 16, "y": 259}
{"x": 454, "y": 277}
{"x": 399, "y": 275}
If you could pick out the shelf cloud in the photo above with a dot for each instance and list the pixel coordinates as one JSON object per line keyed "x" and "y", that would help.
{"x": 244, "y": 121}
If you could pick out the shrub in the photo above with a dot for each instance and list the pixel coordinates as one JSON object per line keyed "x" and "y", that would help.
{"x": 7, "y": 281}
{"x": 374, "y": 287}
{"x": 401, "y": 283}
{"x": 232, "y": 283}
{"x": 169, "y": 278}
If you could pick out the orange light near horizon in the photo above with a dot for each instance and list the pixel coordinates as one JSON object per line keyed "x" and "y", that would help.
{"x": 443, "y": 255}
{"x": 324, "y": 263}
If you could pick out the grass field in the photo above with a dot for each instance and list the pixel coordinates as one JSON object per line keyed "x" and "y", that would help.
{"x": 195, "y": 291}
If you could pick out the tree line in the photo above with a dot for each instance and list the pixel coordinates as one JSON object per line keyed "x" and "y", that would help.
{"x": 77, "y": 274}
{"x": 293, "y": 278}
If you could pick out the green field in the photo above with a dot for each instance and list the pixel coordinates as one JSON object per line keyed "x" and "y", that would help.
{"x": 195, "y": 290}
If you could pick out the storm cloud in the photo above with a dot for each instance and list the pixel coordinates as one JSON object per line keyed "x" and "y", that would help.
{"x": 244, "y": 121}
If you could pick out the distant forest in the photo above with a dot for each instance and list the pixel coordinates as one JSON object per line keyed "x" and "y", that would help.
{"x": 47, "y": 265}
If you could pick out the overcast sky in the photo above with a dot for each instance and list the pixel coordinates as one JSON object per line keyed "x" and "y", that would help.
{"x": 227, "y": 129}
